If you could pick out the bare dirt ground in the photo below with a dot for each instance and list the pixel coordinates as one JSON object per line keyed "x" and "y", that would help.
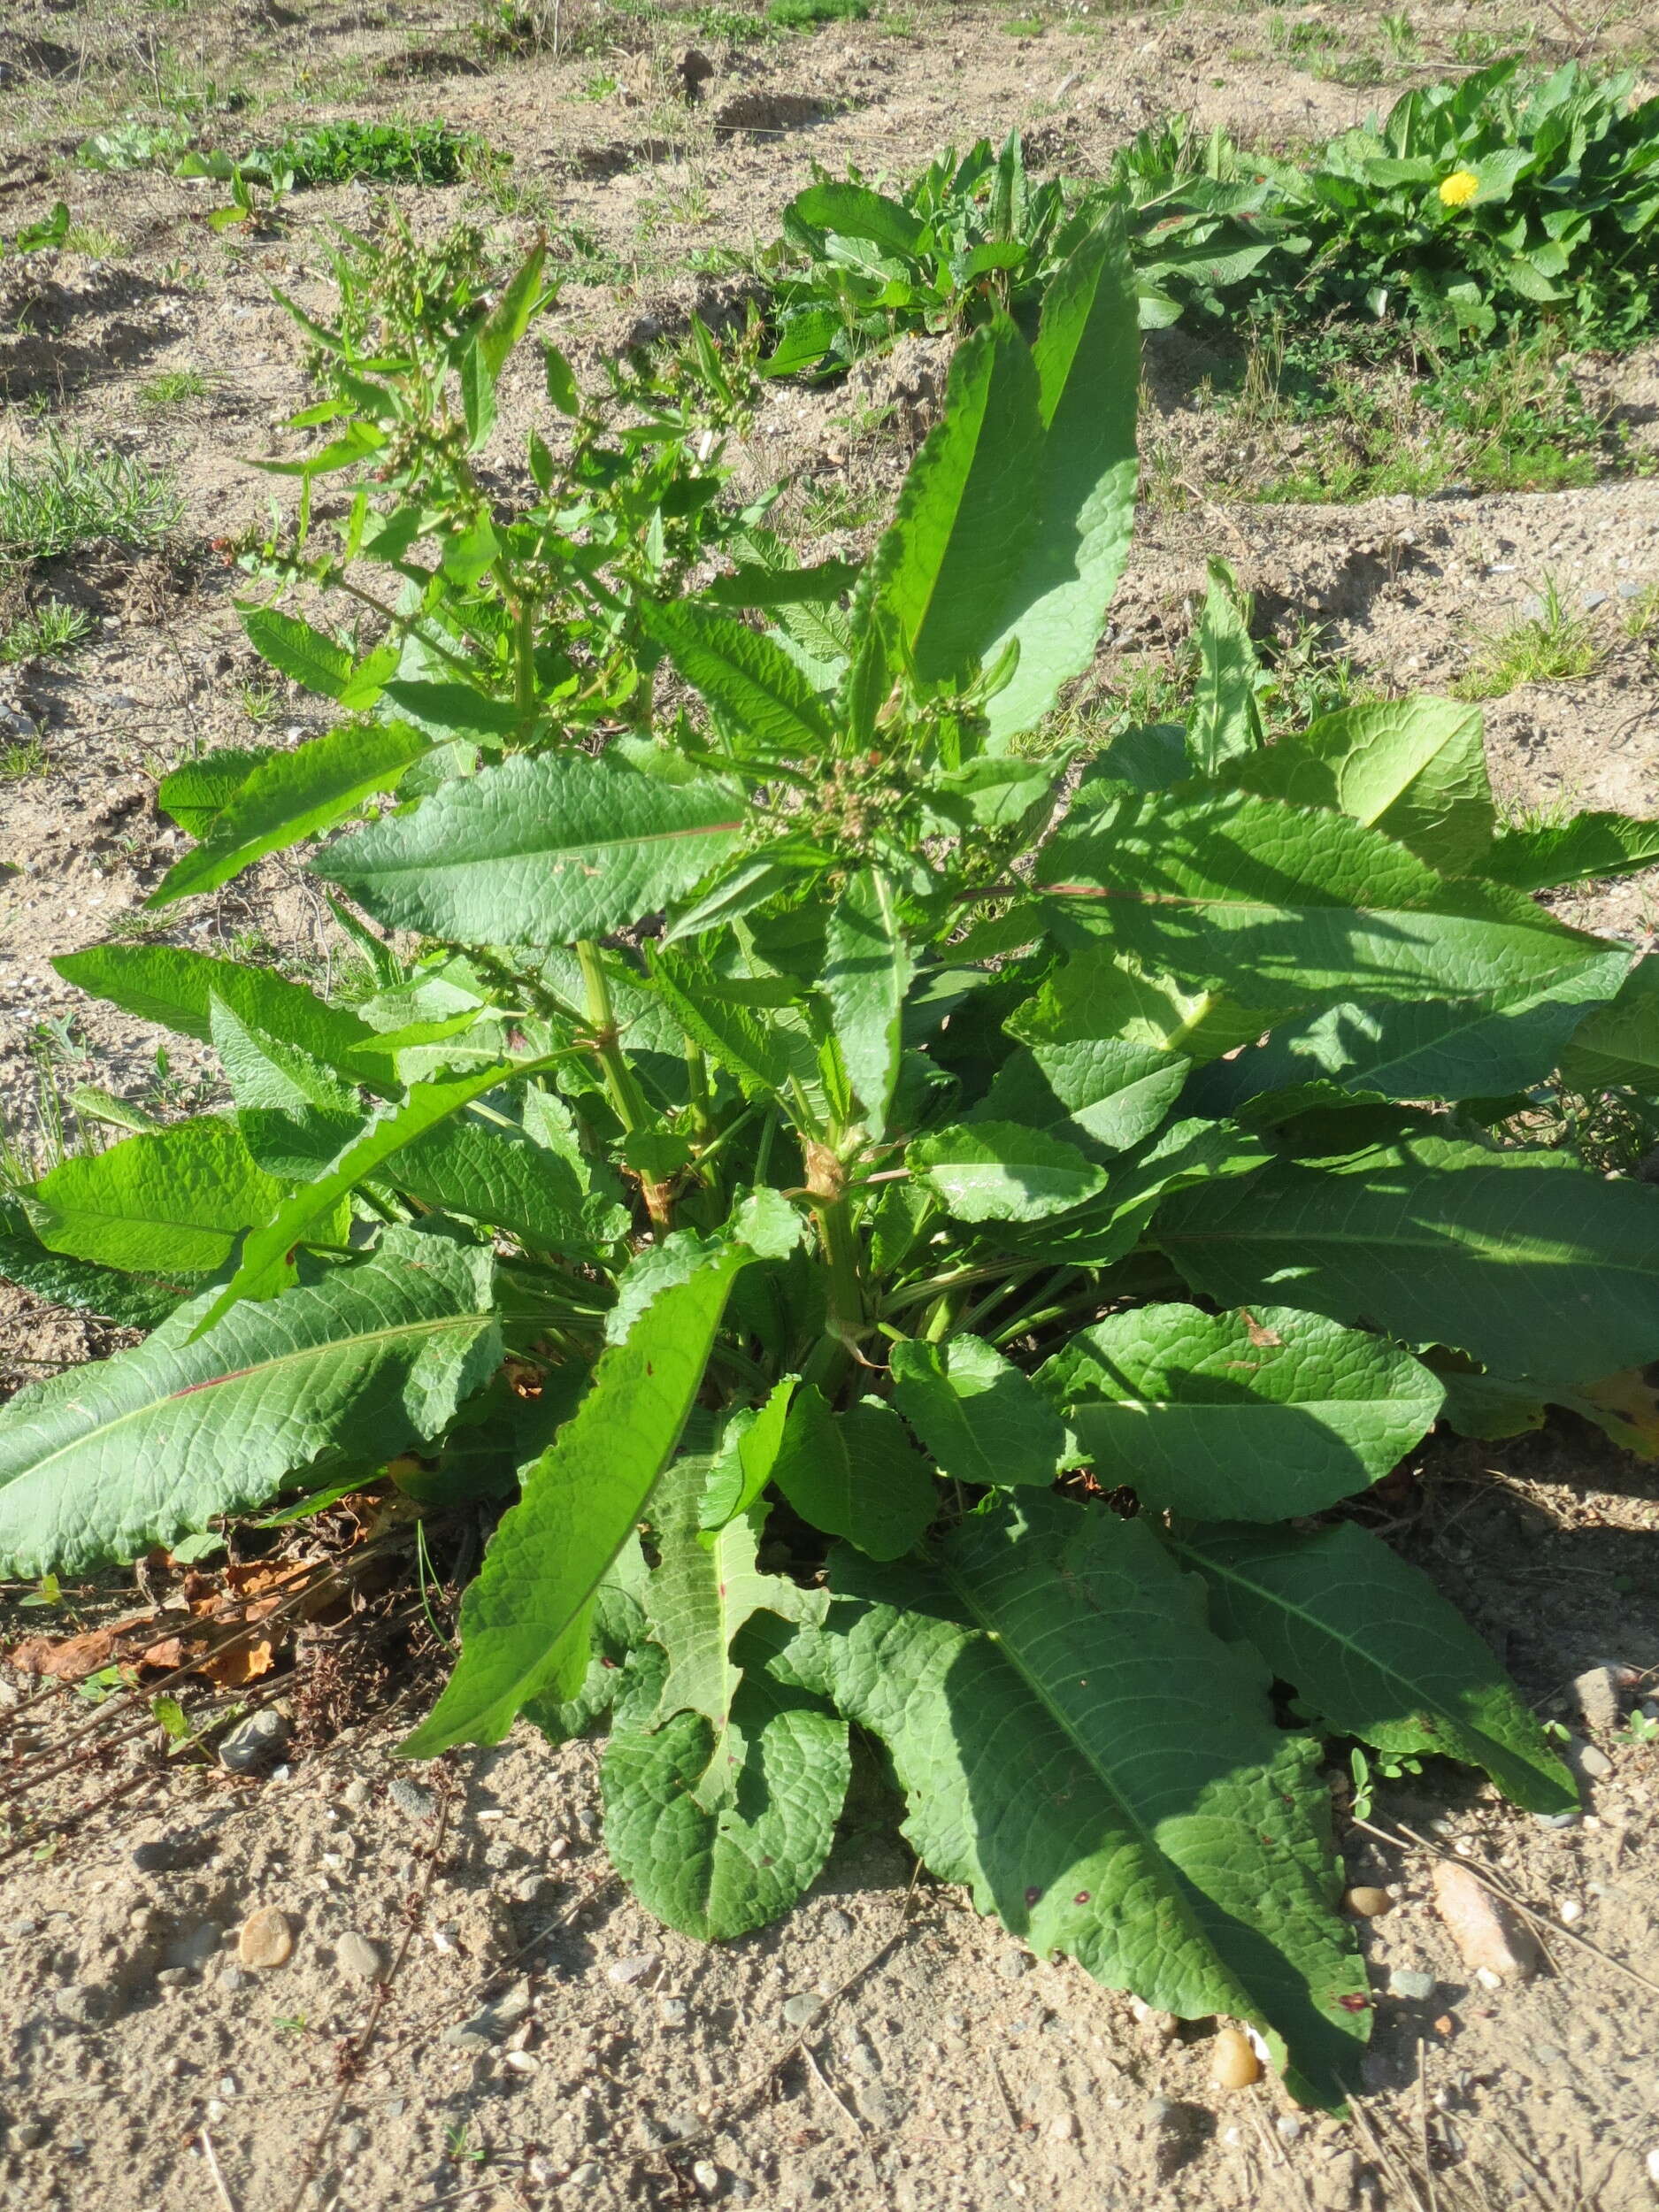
{"x": 543, "y": 2041}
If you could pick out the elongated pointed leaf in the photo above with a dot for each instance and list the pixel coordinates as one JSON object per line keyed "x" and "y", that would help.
{"x": 1253, "y": 1416}
{"x": 1105, "y": 1774}
{"x": 1433, "y": 1047}
{"x": 136, "y": 1301}
{"x": 538, "y": 851}
{"x": 1088, "y": 358}
{"x": 1226, "y": 723}
{"x": 266, "y": 1250}
{"x": 1619, "y": 1047}
{"x": 198, "y": 793}
{"x": 743, "y": 674}
{"x": 176, "y": 987}
{"x": 309, "y": 658}
{"x": 778, "y": 1777}
{"x": 105, "y": 1462}
{"x": 867, "y": 975}
{"x": 853, "y": 210}
{"x": 1373, "y": 1648}
{"x": 947, "y": 565}
{"x": 524, "y": 1620}
{"x": 1530, "y": 1263}
{"x": 752, "y": 1047}
{"x": 854, "y": 1474}
{"x": 1587, "y": 846}
{"x": 980, "y": 1418}
{"x": 1279, "y": 902}
{"x": 293, "y": 1111}
{"x": 293, "y": 795}
{"x": 996, "y": 1171}
{"x": 1415, "y": 769}
{"x": 741, "y": 1469}
{"x": 172, "y": 1199}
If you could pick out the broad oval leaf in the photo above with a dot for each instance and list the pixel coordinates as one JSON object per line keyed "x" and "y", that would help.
{"x": 537, "y": 851}
{"x": 855, "y": 1474}
{"x": 1105, "y": 1773}
{"x": 104, "y": 1462}
{"x": 1285, "y": 904}
{"x": 1533, "y": 1265}
{"x": 996, "y": 1171}
{"x": 291, "y": 796}
{"x": 1372, "y": 1646}
{"x": 1252, "y": 1415}
{"x": 171, "y": 1199}
{"x": 980, "y": 1418}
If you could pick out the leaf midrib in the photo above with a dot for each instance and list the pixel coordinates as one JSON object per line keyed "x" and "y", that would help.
{"x": 549, "y": 852}
{"x": 1415, "y": 1701}
{"x": 362, "y": 1338}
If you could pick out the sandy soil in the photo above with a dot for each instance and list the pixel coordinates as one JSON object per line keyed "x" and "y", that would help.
{"x": 543, "y": 2042}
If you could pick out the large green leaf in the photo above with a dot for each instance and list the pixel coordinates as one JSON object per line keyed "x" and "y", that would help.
{"x": 166, "y": 984}
{"x": 853, "y": 210}
{"x": 1226, "y": 723}
{"x": 854, "y": 1474}
{"x": 1375, "y": 1650}
{"x": 314, "y": 660}
{"x": 295, "y": 1112}
{"x": 524, "y": 1619}
{"x": 866, "y": 974}
{"x": 743, "y": 1467}
{"x": 745, "y": 675}
{"x": 1281, "y": 903}
{"x": 1088, "y": 358}
{"x": 293, "y": 795}
{"x": 264, "y": 1254}
{"x": 996, "y": 1171}
{"x": 979, "y": 1417}
{"x": 752, "y": 1045}
{"x": 172, "y": 1199}
{"x": 717, "y": 1830}
{"x": 1618, "y": 1047}
{"x": 1078, "y": 1069}
{"x": 1432, "y": 1047}
{"x": 1105, "y": 1774}
{"x": 496, "y": 1174}
{"x": 1585, "y": 846}
{"x": 1415, "y": 769}
{"x": 1252, "y": 1415}
{"x": 135, "y": 1301}
{"x": 104, "y": 1462}
{"x": 944, "y": 569}
{"x": 197, "y": 792}
{"x": 1531, "y": 1265}
{"x": 537, "y": 851}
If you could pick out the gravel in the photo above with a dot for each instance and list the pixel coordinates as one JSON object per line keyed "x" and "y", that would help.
{"x": 255, "y": 1743}
{"x": 354, "y": 1954}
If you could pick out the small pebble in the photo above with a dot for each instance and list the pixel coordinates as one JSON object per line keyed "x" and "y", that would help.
{"x": 1288, "y": 2126}
{"x": 1571, "y": 1909}
{"x": 354, "y": 1954}
{"x": 1232, "y": 2064}
{"x": 836, "y": 1923}
{"x": 631, "y": 1969}
{"x": 255, "y": 1743}
{"x": 1164, "y": 2025}
{"x": 355, "y": 1795}
{"x": 1370, "y": 1904}
{"x": 1013, "y": 1964}
{"x": 1589, "y": 1759}
{"x": 706, "y": 2174}
{"x": 1596, "y": 1693}
{"x": 800, "y": 2009}
{"x": 409, "y": 1797}
{"x": 673, "y": 2012}
{"x": 1486, "y": 1931}
{"x": 1653, "y": 2165}
{"x": 265, "y": 1939}
{"x": 588, "y": 2175}
{"x": 1415, "y": 1988}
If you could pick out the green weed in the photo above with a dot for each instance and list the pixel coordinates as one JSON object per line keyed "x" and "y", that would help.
{"x": 69, "y": 492}
{"x": 806, "y": 15}
{"x": 1551, "y": 647}
{"x": 172, "y": 387}
{"x": 49, "y": 632}
{"x": 22, "y": 759}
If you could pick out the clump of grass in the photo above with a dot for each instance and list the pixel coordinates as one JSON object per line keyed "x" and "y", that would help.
{"x": 93, "y": 240}
{"x": 803, "y": 15}
{"x": 69, "y": 492}
{"x": 1551, "y": 647}
{"x": 172, "y": 387}
{"x": 46, "y": 633}
{"x": 24, "y": 758}
{"x": 378, "y": 153}
{"x": 1642, "y": 617}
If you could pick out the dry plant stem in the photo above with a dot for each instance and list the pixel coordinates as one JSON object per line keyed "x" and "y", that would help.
{"x": 211, "y": 1648}
{"x": 1538, "y": 1921}
{"x": 380, "y": 1996}
{"x": 224, "y": 2197}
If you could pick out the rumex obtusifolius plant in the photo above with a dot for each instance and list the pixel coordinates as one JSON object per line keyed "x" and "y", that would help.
{"x": 882, "y": 1131}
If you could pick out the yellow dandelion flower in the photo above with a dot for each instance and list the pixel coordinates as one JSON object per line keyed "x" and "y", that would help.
{"x": 1459, "y": 189}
